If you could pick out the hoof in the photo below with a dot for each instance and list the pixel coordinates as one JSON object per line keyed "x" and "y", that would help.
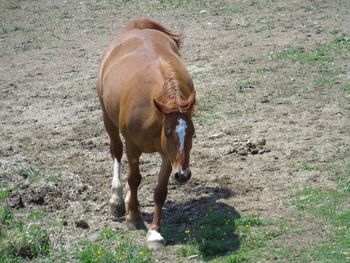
{"x": 154, "y": 240}
{"x": 117, "y": 209}
{"x": 135, "y": 224}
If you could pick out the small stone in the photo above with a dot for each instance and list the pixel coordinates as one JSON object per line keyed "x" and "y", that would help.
{"x": 82, "y": 224}
{"x": 216, "y": 135}
{"x": 242, "y": 152}
{"x": 264, "y": 100}
{"x": 94, "y": 237}
{"x": 203, "y": 11}
{"x": 254, "y": 151}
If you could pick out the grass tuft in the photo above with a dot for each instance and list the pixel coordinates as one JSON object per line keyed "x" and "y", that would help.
{"x": 114, "y": 247}
{"x": 19, "y": 240}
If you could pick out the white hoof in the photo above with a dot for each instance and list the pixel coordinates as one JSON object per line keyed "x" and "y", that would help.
{"x": 154, "y": 240}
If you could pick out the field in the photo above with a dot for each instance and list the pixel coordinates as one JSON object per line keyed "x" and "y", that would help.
{"x": 270, "y": 162}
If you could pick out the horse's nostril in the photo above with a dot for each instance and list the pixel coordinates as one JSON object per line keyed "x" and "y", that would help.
{"x": 189, "y": 174}
{"x": 176, "y": 176}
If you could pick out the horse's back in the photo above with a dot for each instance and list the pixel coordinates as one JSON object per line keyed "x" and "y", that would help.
{"x": 130, "y": 72}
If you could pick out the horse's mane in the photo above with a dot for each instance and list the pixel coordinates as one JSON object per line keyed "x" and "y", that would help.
{"x": 172, "y": 96}
{"x": 150, "y": 24}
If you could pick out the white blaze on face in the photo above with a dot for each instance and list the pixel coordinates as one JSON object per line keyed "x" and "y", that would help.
{"x": 181, "y": 133}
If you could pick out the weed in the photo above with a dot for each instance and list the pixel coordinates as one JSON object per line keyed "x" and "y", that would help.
{"x": 300, "y": 55}
{"x": 304, "y": 166}
{"x": 108, "y": 233}
{"x": 307, "y": 8}
{"x": 29, "y": 43}
{"x": 265, "y": 70}
{"x": 268, "y": 25}
{"x": 249, "y": 60}
{"x": 328, "y": 208}
{"x": 6, "y": 215}
{"x": 244, "y": 86}
{"x": 29, "y": 173}
{"x": 216, "y": 235}
{"x": 323, "y": 81}
{"x": 65, "y": 15}
{"x": 4, "y": 194}
{"x": 35, "y": 215}
{"x": 53, "y": 178}
{"x": 231, "y": 69}
{"x": 123, "y": 250}
{"x": 95, "y": 253}
{"x": 16, "y": 29}
{"x": 14, "y": 6}
{"x": 346, "y": 86}
{"x": 207, "y": 108}
{"x": 228, "y": 11}
{"x": 19, "y": 240}
{"x": 246, "y": 23}
{"x": 177, "y": 3}
{"x": 189, "y": 250}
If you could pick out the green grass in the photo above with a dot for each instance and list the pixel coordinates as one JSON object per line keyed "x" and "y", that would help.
{"x": 207, "y": 109}
{"x": 304, "y": 166}
{"x": 29, "y": 173}
{"x": 245, "y": 86}
{"x": 115, "y": 246}
{"x": 346, "y": 86}
{"x": 35, "y": 215}
{"x": 14, "y": 6}
{"x": 323, "y": 58}
{"x": 223, "y": 237}
{"x": 53, "y": 178}
{"x": 299, "y": 54}
{"x": 31, "y": 42}
{"x": 228, "y": 10}
{"x": 328, "y": 208}
{"x": 20, "y": 241}
{"x": 65, "y": 15}
{"x": 4, "y": 194}
{"x": 266, "y": 26}
{"x": 249, "y": 60}
{"x": 265, "y": 70}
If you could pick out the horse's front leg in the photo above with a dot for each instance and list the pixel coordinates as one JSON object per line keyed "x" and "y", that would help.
{"x": 154, "y": 238}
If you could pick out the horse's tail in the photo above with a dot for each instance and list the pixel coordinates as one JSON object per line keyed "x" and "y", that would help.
{"x": 150, "y": 24}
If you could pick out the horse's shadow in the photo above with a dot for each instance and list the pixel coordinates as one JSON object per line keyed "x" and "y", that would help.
{"x": 203, "y": 222}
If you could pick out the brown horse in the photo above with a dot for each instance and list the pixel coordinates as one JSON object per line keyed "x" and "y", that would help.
{"x": 147, "y": 94}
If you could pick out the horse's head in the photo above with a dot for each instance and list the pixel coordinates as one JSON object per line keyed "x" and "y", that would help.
{"x": 176, "y": 138}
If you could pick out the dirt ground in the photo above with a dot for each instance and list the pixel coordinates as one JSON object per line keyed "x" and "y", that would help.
{"x": 255, "y": 128}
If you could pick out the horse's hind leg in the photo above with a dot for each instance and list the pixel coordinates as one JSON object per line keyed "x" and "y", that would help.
{"x": 133, "y": 217}
{"x": 116, "y": 203}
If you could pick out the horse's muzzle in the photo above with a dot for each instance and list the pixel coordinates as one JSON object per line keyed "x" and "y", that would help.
{"x": 182, "y": 176}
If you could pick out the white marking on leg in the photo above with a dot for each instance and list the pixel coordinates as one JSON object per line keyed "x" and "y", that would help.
{"x": 116, "y": 182}
{"x": 154, "y": 236}
{"x": 181, "y": 133}
{"x": 127, "y": 199}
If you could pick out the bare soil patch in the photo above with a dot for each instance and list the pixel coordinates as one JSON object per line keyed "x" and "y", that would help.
{"x": 258, "y": 121}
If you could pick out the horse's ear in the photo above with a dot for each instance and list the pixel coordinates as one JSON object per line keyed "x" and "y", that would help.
{"x": 159, "y": 106}
{"x": 192, "y": 99}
